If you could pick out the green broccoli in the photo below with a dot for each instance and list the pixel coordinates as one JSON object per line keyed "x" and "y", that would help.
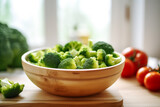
{"x": 90, "y": 43}
{"x": 35, "y": 56}
{"x": 12, "y": 45}
{"x": 93, "y": 54}
{"x": 78, "y": 59}
{"x": 85, "y": 51}
{"x": 10, "y": 89}
{"x": 73, "y": 52}
{"x": 101, "y": 55}
{"x": 83, "y": 61}
{"x": 66, "y": 55}
{"x": 103, "y": 45}
{"x": 58, "y": 48}
{"x": 51, "y": 60}
{"x": 18, "y": 45}
{"x": 111, "y": 60}
{"x": 6, "y": 54}
{"x": 102, "y": 65}
{"x": 91, "y": 63}
{"x": 50, "y": 50}
{"x": 72, "y": 45}
{"x": 68, "y": 63}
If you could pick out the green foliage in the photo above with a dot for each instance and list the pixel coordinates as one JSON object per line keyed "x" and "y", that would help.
{"x": 10, "y": 89}
{"x": 103, "y": 45}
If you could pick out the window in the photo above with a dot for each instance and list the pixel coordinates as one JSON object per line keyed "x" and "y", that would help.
{"x": 78, "y": 19}
{"x": 26, "y": 16}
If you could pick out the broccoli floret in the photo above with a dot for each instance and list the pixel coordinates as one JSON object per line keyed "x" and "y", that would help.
{"x": 93, "y": 54}
{"x": 78, "y": 59}
{"x": 85, "y": 50}
{"x": 51, "y": 60}
{"x": 83, "y": 61}
{"x": 73, "y": 52}
{"x": 58, "y": 48}
{"x": 72, "y": 45}
{"x": 102, "y": 65}
{"x": 10, "y": 89}
{"x": 90, "y": 63}
{"x": 35, "y": 56}
{"x": 111, "y": 60}
{"x": 50, "y": 50}
{"x": 103, "y": 45}
{"x": 90, "y": 43}
{"x": 68, "y": 63}
{"x": 101, "y": 55}
{"x": 66, "y": 55}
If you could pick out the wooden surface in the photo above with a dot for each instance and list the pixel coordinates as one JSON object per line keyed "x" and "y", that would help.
{"x": 132, "y": 93}
{"x": 33, "y": 96}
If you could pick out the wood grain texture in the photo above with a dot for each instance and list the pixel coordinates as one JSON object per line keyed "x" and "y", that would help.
{"x": 32, "y": 96}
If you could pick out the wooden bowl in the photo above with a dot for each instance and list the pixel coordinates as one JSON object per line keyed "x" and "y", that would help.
{"x": 72, "y": 82}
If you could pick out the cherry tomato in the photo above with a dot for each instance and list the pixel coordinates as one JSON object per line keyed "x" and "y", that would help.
{"x": 152, "y": 81}
{"x": 141, "y": 73}
{"x": 138, "y": 57}
{"x": 129, "y": 69}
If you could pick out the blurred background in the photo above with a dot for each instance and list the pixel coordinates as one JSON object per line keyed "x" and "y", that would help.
{"x": 121, "y": 23}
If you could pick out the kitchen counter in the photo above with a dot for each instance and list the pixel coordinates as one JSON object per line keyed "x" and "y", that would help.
{"x": 132, "y": 93}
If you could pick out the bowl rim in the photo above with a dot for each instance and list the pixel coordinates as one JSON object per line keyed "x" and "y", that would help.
{"x": 23, "y": 58}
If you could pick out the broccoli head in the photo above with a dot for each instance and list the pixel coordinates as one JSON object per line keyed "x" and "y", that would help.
{"x": 91, "y": 63}
{"x": 14, "y": 41}
{"x": 58, "y": 48}
{"x": 10, "y": 89}
{"x": 18, "y": 45}
{"x": 35, "y": 56}
{"x": 51, "y": 60}
{"x": 72, "y": 45}
{"x": 101, "y": 55}
{"x": 6, "y": 54}
{"x": 111, "y": 60}
{"x": 68, "y": 63}
{"x": 103, "y": 45}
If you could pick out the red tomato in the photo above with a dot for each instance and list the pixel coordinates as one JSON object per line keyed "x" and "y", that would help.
{"x": 152, "y": 81}
{"x": 141, "y": 73}
{"x": 129, "y": 69}
{"x": 138, "y": 57}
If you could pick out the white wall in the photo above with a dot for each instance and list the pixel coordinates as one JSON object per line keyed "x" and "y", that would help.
{"x": 152, "y": 28}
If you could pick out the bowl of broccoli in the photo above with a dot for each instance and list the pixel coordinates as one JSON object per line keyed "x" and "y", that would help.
{"x": 74, "y": 69}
